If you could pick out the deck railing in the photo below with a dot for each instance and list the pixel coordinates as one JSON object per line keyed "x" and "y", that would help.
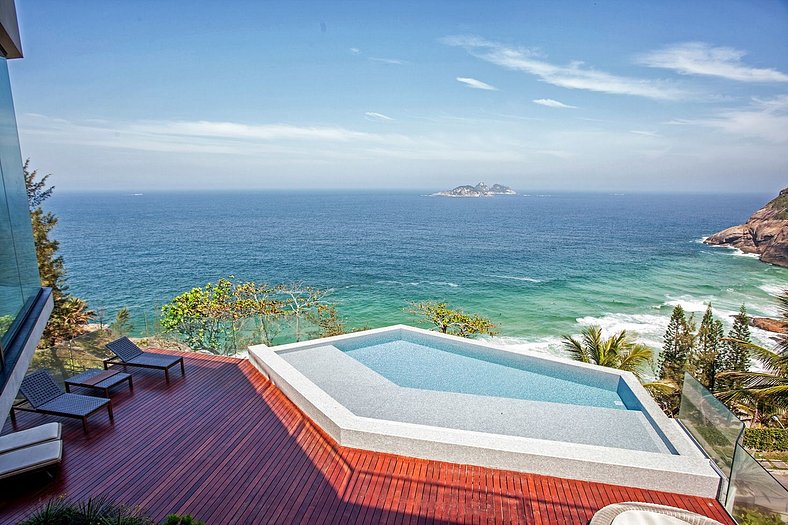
{"x": 748, "y": 491}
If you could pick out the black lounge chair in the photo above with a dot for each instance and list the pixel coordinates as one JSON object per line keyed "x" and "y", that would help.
{"x": 46, "y": 397}
{"x": 129, "y": 354}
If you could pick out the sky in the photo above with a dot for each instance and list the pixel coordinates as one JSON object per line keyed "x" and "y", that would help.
{"x": 560, "y": 96}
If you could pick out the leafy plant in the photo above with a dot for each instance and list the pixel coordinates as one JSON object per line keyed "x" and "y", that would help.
{"x": 766, "y": 390}
{"x": 5, "y": 323}
{"x": 70, "y": 314}
{"x": 122, "y": 324}
{"x": 735, "y": 353}
{"x": 766, "y": 439}
{"x": 187, "y": 519}
{"x": 96, "y": 511}
{"x": 618, "y": 351}
{"x": 678, "y": 343}
{"x": 754, "y": 516}
{"x": 224, "y": 316}
{"x": 707, "y": 356}
{"x": 453, "y": 321}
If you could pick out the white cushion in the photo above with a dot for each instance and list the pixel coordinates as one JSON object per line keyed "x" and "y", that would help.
{"x": 31, "y": 458}
{"x": 646, "y": 517}
{"x": 31, "y": 436}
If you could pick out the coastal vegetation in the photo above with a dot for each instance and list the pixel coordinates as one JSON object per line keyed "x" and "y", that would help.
{"x": 122, "y": 324}
{"x": 98, "y": 511}
{"x": 452, "y": 320}
{"x": 706, "y": 354}
{"x": 70, "y": 314}
{"x": 618, "y": 351}
{"x": 719, "y": 361}
{"x": 723, "y": 365}
{"x": 761, "y": 394}
{"x": 228, "y": 315}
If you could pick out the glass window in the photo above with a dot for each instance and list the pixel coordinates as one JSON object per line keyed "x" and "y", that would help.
{"x": 19, "y": 279}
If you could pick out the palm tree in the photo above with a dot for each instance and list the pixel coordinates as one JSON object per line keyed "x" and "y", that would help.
{"x": 765, "y": 390}
{"x": 617, "y": 351}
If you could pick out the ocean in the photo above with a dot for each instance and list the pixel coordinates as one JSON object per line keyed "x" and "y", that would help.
{"x": 538, "y": 265}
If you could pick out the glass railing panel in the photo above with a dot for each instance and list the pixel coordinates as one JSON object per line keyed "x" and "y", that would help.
{"x": 755, "y": 497}
{"x": 710, "y": 422}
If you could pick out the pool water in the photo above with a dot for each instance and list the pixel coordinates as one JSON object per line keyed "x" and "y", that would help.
{"x": 416, "y": 362}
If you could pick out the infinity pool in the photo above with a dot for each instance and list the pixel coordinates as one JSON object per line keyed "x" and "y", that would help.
{"x": 408, "y": 391}
{"x": 411, "y": 377}
{"x": 415, "y": 361}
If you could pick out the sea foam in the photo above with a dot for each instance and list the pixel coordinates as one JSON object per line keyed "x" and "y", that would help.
{"x": 515, "y": 278}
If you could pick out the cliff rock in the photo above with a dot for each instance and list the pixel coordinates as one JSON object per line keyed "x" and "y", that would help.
{"x": 764, "y": 233}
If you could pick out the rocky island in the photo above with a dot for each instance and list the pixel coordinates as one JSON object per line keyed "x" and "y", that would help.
{"x": 764, "y": 233}
{"x": 480, "y": 190}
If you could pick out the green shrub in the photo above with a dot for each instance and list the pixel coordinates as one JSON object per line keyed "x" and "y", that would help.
{"x": 755, "y": 516}
{"x": 99, "y": 511}
{"x": 766, "y": 439}
{"x": 187, "y": 519}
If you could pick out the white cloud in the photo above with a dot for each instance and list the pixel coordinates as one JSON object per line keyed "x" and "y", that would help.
{"x": 476, "y": 84}
{"x": 550, "y": 103}
{"x": 286, "y": 142}
{"x": 355, "y": 51}
{"x": 765, "y": 119}
{"x": 572, "y": 76}
{"x": 207, "y": 154}
{"x": 700, "y": 58}
{"x": 391, "y": 61}
{"x": 374, "y": 115}
{"x": 644, "y": 133}
{"x": 264, "y": 132}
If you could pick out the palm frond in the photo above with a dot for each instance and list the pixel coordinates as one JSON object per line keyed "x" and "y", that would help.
{"x": 575, "y": 349}
{"x": 635, "y": 359}
{"x": 661, "y": 386}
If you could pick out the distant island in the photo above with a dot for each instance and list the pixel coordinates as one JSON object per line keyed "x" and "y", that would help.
{"x": 764, "y": 233}
{"x": 480, "y": 190}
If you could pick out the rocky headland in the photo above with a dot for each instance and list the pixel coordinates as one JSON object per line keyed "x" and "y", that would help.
{"x": 764, "y": 233}
{"x": 480, "y": 190}
{"x": 770, "y": 325}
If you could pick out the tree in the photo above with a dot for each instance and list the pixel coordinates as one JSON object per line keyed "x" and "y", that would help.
{"x": 765, "y": 390}
{"x": 678, "y": 342}
{"x": 225, "y": 316}
{"x": 734, "y": 352}
{"x": 328, "y": 320}
{"x": 122, "y": 324}
{"x": 618, "y": 351}
{"x": 453, "y": 321}
{"x": 707, "y": 356}
{"x": 70, "y": 314}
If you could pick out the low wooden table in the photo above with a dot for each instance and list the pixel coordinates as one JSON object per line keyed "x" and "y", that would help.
{"x": 99, "y": 379}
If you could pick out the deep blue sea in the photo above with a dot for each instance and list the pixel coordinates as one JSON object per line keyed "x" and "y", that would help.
{"x": 538, "y": 265}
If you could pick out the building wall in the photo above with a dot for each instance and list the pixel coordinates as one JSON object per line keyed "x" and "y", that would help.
{"x": 24, "y": 305}
{"x": 10, "y": 43}
{"x": 19, "y": 280}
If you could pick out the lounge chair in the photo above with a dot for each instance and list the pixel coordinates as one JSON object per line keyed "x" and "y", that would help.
{"x": 30, "y": 437}
{"x": 35, "y": 457}
{"x": 46, "y": 397}
{"x": 633, "y": 512}
{"x": 129, "y": 354}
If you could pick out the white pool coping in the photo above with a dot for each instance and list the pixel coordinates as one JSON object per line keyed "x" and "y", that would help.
{"x": 687, "y": 471}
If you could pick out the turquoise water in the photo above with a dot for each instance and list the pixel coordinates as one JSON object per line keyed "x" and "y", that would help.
{"x": 539, "y": 266}
{"x": 416, "y": 362}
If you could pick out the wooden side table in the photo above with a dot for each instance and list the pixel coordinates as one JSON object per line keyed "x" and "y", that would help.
{"x": 98, "y": 379}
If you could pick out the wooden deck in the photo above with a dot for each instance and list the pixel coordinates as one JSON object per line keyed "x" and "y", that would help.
{"x": 225, "y": 445}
